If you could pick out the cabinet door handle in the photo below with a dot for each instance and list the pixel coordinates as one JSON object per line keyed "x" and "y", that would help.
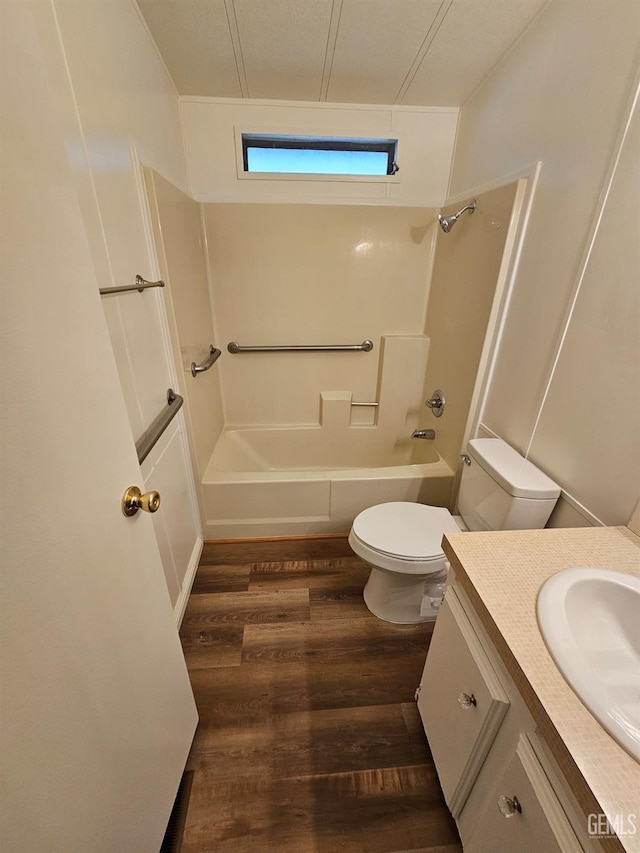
{"x": 509, "y": 806}
{"x": 467, "y": 700}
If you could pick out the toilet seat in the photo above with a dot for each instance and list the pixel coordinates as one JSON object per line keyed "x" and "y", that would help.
{"x": 402, "y": 537}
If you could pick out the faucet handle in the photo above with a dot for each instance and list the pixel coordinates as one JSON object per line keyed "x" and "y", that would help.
{"x": 436, "y": 403}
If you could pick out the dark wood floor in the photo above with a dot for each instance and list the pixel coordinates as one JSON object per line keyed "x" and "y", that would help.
{"x": 309, "y": 738}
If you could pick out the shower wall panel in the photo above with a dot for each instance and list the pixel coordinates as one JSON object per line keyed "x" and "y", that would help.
{"x": 465, "y": 273}
{"x": 312, "y": 274}
{"x": 180, "y": 246}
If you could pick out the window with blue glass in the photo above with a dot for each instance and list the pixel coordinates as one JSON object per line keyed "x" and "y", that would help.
{"x": 313, "y": 155}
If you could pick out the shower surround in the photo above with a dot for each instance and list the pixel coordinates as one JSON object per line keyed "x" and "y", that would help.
{"x": 278, "y": 446}
{"x": 300, "y": 274}
{"x": 302, "y": 479}
{"x": 245, "y": 497}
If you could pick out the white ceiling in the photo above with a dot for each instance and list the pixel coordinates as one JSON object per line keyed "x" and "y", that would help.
{"x": 417, "y": 52}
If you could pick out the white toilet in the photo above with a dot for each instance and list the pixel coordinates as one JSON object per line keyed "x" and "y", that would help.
{"x": 401, "y": 541}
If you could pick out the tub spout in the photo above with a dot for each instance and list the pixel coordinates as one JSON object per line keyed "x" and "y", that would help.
{"x": 423, "y": 433}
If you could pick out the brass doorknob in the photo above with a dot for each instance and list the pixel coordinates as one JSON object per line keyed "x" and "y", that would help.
{"x": 133, "y": 500}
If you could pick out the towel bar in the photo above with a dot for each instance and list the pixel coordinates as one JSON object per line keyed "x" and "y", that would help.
{"x": 149, "y": 438}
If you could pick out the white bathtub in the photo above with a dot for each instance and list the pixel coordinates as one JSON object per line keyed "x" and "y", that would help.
{"x": 283, "y": 481}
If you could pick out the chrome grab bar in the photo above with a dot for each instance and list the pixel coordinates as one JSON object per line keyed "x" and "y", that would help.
{"x": 149, "y": 438}
{"x": 365, "y": 346}
{"x": 140, "y": 285}
{"x": 214, "y": 355}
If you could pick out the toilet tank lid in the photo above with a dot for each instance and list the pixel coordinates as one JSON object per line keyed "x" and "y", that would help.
{"x": 513, "y": 472}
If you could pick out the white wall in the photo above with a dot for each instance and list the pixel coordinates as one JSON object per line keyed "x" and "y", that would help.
{"x": 120, "y": 109}
{"x": 565, "y": 107}
{"x": 123, "y": 99}
{"x": 425, "y": 136}
{"x": 589, "y": 428}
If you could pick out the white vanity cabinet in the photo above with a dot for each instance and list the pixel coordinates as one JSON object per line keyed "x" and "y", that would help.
{"x": 498, "y": 779}
{"x": 522, "y": 811}
{"x": 461, "y": 702}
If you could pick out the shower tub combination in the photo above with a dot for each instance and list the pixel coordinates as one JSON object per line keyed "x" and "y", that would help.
{"x": 299, "y": 480}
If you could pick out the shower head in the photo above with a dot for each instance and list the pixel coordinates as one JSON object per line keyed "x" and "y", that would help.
{"x": 447, "y": 222}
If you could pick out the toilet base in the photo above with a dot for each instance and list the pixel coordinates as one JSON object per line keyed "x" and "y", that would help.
{"x": 400, "y": 599}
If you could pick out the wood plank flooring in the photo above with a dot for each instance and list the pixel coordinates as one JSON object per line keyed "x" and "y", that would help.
{"x": 309, "y": 738}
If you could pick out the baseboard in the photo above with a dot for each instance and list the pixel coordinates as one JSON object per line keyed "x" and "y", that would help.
{"x": 190, "y": 576}
{"x": 275, "y": 538}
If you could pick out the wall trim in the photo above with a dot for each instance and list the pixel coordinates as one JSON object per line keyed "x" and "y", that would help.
{"x": 212, "y": 302}
{"x": 252, "y": 540}
{"x": 355, "y": 201}
{"x": 176, "y": 379}
{"x": 564, "y": 495}
{"x": 189, "y": 578}
{"x": 306, "y": 105}
{"x": 530, "y": 171}
{"x": 632, "y": 105}
{"x": 522, "y": 206}
{"x": 156, "y": 49}
{"x": 581, "y": 508}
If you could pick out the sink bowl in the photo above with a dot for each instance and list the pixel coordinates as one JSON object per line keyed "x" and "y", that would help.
{"x": 590, "y": 620}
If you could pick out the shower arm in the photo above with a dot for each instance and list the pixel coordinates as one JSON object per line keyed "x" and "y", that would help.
{"x": 471, "y": 206}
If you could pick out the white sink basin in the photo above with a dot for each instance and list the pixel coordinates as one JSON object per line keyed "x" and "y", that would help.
{"x": 590, "y": 620}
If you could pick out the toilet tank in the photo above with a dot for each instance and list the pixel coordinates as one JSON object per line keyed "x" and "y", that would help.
{"x": 501, "y": 490}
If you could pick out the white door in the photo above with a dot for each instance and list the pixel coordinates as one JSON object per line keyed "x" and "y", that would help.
{"x": 96, "y": 712}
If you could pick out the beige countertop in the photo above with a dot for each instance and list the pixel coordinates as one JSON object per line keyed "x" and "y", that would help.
{"x": 502, "y": 572}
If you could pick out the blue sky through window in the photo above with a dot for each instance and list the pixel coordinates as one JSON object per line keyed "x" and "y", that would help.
{"x": 316, "y": 161}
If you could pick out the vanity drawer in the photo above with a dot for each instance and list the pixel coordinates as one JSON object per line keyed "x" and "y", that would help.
{"x": 523, "y": 812}
{"x": 461, "y": 701}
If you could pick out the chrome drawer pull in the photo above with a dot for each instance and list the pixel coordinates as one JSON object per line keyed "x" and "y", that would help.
{"x": 466, "y": 700}
{"x": 509, "y": 806}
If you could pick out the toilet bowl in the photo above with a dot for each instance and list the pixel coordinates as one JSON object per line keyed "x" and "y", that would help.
{"x": 401, "y": 542}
